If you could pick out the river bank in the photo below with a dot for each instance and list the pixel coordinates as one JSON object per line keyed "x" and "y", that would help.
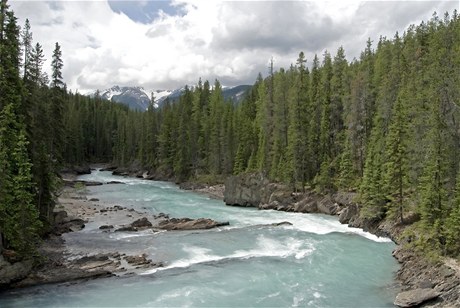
{"x": 94, "y": 214}
{"x": 75, "y": 210}
{"x": 422, "y": 281}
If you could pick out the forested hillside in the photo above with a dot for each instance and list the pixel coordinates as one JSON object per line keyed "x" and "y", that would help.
{"x": 385, "y": 125}
{"x": 37, "y": 134}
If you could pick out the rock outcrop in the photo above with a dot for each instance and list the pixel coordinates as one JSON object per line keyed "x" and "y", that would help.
{"x": 247, "y": 190}
{"x": 255, "y": 190}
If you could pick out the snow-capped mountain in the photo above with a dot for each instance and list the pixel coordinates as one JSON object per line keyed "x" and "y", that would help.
{"x": 134, "y": 97}
{"x": 137, "y": 98}
{"x": 234, "y": 94}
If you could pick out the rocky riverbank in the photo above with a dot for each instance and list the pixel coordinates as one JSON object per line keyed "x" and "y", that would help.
{"x": 73, "y": 212}
{"x": 423, "y": 282}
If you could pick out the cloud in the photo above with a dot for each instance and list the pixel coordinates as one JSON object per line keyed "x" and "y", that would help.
{"x": 281, "y": 27}
{"x": 166, "y": 45}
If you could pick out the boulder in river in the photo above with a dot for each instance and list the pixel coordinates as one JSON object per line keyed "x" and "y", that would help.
{"x": 190, "y": 224}
{"x": 415, "y": 297}
{"x": 105, "y": 227}
{"x": 141, "y": 223}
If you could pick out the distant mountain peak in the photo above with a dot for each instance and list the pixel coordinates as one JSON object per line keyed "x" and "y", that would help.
{"x": 136, "y": 98}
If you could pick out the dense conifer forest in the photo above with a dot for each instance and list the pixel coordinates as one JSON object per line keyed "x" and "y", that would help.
{"x": 386, "y": 125}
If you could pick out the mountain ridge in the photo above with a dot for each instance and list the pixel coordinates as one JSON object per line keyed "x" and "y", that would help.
{"x": 137, "y": 98}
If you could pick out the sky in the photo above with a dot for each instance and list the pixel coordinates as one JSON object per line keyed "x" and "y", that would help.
{"x": 167, "y": 44}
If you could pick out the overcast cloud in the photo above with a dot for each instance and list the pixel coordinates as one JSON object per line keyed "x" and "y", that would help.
{"x": 166, "y": 44}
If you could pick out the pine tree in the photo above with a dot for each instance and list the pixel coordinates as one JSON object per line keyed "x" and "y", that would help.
{"x": 314, "y": 126}
{"x": 347, "y": 175}
{"x": 25, "y": 214}
{"x": 10, "y": 60}
{"x": 27, "y": 48}
{"x": 56, "y": 66}
{"x": 433, "y": 189}
{"x": 36, "y": 74}
{"x": 452, "y": 225}
{"x": 396, "y": 165}
{"x": 325, "y": 126}
{"x": 56, "y": 107}
{"x": 19, "y": 221}
{"x": 339, "y": 95}
{"x": 215, "y": 126}
{"x": 371, "y": 189}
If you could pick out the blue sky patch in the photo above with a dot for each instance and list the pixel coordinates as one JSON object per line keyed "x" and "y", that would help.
{"x": 143, "y": 11}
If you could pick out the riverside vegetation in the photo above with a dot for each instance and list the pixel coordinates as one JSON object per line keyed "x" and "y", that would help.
{"x": 385, "y": 125}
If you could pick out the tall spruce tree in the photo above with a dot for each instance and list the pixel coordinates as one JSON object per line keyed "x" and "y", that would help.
{"x": 396, "y": 169}
{"x": 56, "y": 107}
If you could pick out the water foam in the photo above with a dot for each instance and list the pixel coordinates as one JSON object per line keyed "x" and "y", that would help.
{"x": 124, "y": 235}
{"x": 312, "y": 223}
{"x": 266, "y": 247}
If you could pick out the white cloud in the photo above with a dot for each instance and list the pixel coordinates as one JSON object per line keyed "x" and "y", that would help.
{"x": 231, "y": 41}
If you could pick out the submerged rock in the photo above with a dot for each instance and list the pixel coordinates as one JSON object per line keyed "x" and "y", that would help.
{"x": 127, "y": 229}
{"x": 104, "y": 227}
{"x": 415, "y": 297}
{"x": 115, "y": 182}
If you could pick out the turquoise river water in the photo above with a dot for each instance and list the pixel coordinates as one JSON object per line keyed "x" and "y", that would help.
{"x": 315, "y": 262}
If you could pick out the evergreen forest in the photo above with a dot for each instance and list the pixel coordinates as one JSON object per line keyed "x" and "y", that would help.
{"x": 385, "y": 125}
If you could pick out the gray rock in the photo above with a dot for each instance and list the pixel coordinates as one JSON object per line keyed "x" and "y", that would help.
{"x": 269, "y": 206}
{"x": 60, "y": 217}
{"x": 89, "y": 183}
{"x": 283, "y": 223}
{"x": 327, "y": 206}
{"x": 13, "y": 272}
{"x": 415, "y": 297}
{"x": 190, "y": 224}
{"x": 247, "y": 190}
{"x": 306, "y": 205}
{"x": 141, "y": 223}
{"x": 127, "y": 229}
{"x": 104, "y": 227}
{"x": 348, "y": 213}
{"x": 69, "y": 225}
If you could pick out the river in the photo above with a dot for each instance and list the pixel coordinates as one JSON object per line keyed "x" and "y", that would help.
{"x": 315, "y": 262}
